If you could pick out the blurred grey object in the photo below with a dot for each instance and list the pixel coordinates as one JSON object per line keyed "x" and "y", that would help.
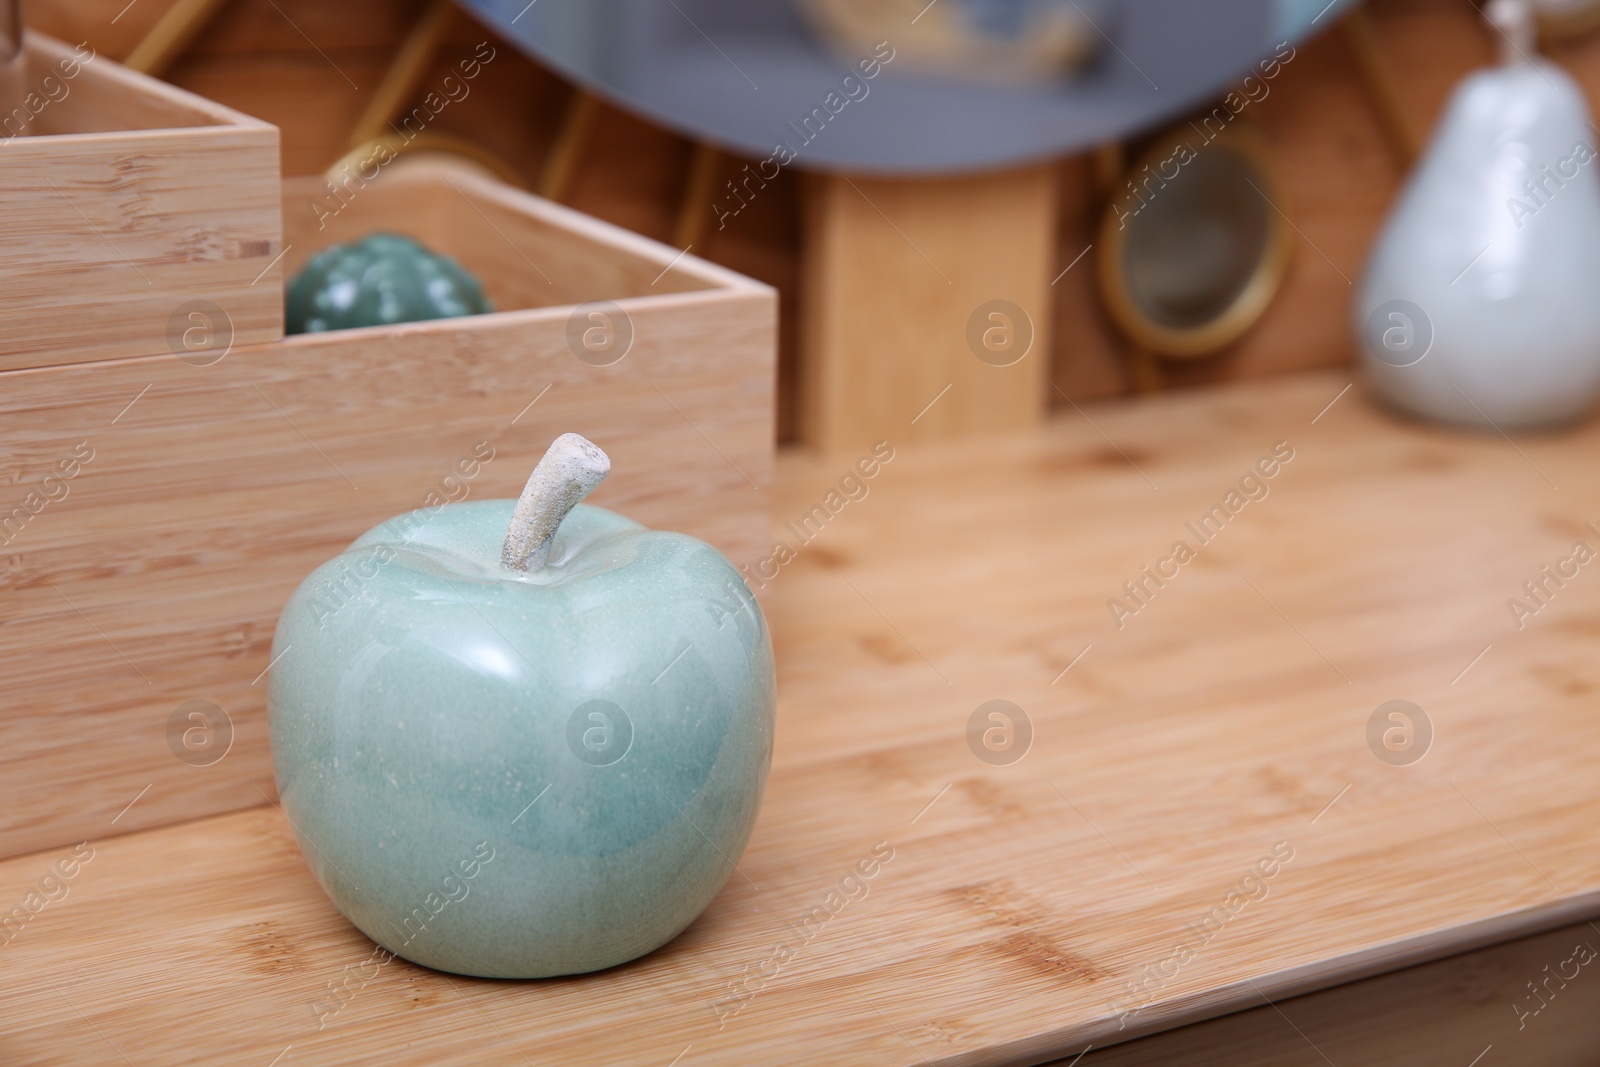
{"x": 1478, "y": 305}
{"x": 747, "y": 75}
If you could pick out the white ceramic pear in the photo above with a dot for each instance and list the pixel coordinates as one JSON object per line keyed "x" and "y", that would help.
{"x": 1481, "y": 302}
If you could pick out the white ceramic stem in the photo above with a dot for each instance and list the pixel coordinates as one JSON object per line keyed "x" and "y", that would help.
{"x": 1518, "y": 32}
{"x": 569, "y": 471}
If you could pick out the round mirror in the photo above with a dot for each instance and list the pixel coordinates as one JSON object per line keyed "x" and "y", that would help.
{"x": 1194, "y": 244}
{"x": 904, "y": 86}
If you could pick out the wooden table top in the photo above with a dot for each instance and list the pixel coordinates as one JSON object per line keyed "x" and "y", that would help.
{"x": 1199, "y": 822}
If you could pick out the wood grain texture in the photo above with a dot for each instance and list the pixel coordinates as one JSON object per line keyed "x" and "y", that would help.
{"x": 1022, "y": 900}
{"x": 896, "y": 270}
{"x": 124, "y": 200}
{"x": 154, "y": 575}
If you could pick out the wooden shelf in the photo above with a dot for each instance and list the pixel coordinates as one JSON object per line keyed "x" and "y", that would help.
{"x": 1228, "y": 715}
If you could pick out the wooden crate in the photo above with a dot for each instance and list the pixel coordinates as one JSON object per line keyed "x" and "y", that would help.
{"x": 180, "y": 501}
{"x": 130, "y": 212}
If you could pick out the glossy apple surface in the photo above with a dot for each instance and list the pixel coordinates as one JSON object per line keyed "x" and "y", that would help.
{"x": 600, "y": 730}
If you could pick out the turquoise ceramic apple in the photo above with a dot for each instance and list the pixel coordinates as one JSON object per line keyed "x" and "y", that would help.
{"x": 522, "y": 738}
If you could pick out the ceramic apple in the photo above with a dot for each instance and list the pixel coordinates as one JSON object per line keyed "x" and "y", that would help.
{"x": 522, "y": 738}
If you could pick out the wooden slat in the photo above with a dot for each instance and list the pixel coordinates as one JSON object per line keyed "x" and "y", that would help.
{"x": 404, "y": 78}
{"x": 1021, "y": 901}
{"x": 169, "y": 38}
{"x": 896, "y": 270}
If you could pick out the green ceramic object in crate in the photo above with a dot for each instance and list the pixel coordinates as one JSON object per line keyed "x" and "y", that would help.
{"x": 379, "y": 281}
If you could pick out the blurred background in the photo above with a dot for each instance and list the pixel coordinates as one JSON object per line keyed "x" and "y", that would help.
{"x": 971, "y": 171}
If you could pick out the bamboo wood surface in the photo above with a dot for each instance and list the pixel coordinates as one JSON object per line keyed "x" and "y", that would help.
{"x": 205, "y": 489}
{"x": 124, "y": 201}
{"x": 1024, "y": 904}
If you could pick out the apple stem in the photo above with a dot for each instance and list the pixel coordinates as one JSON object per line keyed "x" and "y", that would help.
{"x": 568, "y": 472}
